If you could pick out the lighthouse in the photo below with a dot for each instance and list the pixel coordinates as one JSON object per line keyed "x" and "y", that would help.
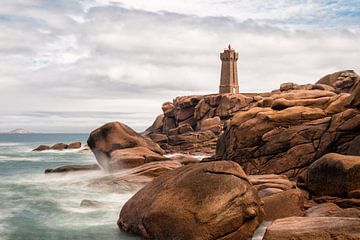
{"x": 229, "y": 79}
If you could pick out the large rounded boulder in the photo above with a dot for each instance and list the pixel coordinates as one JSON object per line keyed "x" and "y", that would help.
{"x": 113, "y": 136}
{"x": 213, "y": 200}
{"x": 334, "y": 175}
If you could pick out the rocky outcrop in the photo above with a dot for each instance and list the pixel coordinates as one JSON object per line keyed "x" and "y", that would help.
{"x": 59, "y": 146}
{"x": 342, "y": 81}
{"x": 309, "y": 228}
{"x": 204, "y": 201}
{"x": 334, "y": 175}
{"x": 289, "y": 130}
{"x": 117, "y": 146}
{"x": 193, "y": 123}
{"x": 73, "y": 168}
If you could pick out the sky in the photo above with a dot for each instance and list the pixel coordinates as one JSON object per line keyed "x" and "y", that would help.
{"x": 73, "y": 65}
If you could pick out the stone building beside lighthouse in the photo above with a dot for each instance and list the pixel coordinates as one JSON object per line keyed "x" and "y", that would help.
{"x": 229, "y": 79}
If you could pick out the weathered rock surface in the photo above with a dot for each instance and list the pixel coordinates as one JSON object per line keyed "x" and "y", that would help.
{"x": 112, "y": 146}
{"x": 132, "y": 157}
{"x": 193, "y": 123}
{"x": 334, "y": 175}
{"x": 290, "y": 130}
{"x": 284, "y": 204}
{"x": 269, "y": 184}
{"x": 309, "y": 228}
{"x": 342, "y": 81}
{"x": 331, "y": 210}
{"x": 204, "y": 201}
{"x": 73, "y": 168}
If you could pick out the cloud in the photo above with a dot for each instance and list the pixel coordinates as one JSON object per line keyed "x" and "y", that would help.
{"x": 130, "y": 56}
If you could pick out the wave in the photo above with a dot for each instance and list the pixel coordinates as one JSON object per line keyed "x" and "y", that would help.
{"x": 9, "y": 144}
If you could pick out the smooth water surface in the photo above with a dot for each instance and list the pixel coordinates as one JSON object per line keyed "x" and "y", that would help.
{"x": 38, "y": 206}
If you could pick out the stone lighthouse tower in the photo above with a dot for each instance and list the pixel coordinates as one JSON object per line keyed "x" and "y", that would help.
{"x": 229, "y": 79}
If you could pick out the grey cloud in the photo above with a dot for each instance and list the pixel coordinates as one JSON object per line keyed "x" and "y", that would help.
{"x": 66, "y": 59}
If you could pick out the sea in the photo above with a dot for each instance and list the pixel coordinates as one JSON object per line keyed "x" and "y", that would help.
{"x": 35, "y": 206}
{"x": 39, "y": 206}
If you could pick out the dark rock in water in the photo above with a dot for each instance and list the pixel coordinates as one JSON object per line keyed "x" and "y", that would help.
{"x": 204, "y": 201}
{"x": 310, "y": 228}
{"x": 91, "y": 204}
{"x": 74, "y": 145}
{"x": 334, "y": 175}
{"x": 341, "y": 202}
{"x": 42, "y": 148}
{"x": 117, "y": 136}
{"x": 59, "y": 146}
{"x": 285, "y": 204}
{"x": 73, "y": 168}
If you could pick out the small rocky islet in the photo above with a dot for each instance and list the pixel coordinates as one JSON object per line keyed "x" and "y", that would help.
{"x": 290, "y": 156}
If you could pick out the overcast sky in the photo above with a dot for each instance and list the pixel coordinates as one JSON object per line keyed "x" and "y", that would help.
{"x": 70, "y": 66}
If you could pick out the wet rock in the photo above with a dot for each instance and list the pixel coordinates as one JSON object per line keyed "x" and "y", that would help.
{"x": 309, "y": 228}
{"x": 73, "y": 168}
{"x": 74, "y": 145}
{"x": 203, "y": 201}
{"x": 59, "y": 146}
{"x": 91, "y": 204}
{"x": 42, "y": 148}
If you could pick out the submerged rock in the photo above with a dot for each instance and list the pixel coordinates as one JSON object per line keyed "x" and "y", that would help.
{"x": 91, "y": 204}
{"x": 309, "y": 228}
{"x": 204, "y": 201}
{"x": 73, "y": 168}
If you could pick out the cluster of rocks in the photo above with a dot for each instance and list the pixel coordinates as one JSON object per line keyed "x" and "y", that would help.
{"x": 290, "y": 156}
{"x": 288, "y": 130}
{"x": 193, "y": 123}
{"x": 59, "y": 146}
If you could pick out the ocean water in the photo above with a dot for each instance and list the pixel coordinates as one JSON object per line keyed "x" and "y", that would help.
{"x": 35, "y": 206}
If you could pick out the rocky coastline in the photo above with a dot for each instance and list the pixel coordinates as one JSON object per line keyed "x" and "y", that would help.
{"x": 290, "y": 156}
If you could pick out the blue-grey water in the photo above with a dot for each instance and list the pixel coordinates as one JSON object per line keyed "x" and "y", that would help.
{"x": 38, "y": 206}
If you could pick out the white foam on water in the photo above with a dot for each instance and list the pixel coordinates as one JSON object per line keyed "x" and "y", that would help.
{"x": 260, "y": 231}
{"x": 9, "y": 144}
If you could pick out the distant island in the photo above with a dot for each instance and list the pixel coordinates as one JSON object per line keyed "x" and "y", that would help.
{"x": 18, "y": 131}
